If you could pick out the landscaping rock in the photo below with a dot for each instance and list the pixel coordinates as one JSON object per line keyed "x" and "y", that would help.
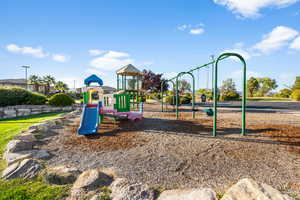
{"x": 95, "y": 197}
{"x": 21, "y": 155}
{"x": 248, "y": 189}
{"x": 61, "y": 175}
{"x": 89, "y": 180}
{"x": 28, "y": 137}
{"x": 43, "y": 127}
{"x": 26, "y": 169}
{"x": 18, "y": 145}
{"x": 189, "y": 194}
{"x": 10, "y": 113}
{"x": 23, "y": 111}
{"x": 123, "y": 190}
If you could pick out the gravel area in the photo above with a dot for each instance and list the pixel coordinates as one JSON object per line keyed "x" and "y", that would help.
{"x": 168, "y": 153}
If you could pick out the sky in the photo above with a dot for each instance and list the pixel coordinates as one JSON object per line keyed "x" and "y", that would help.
{"x": 71, "y": 40}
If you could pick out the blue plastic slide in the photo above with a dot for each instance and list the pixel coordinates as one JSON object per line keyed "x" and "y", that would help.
{"x": 89, "y": 120}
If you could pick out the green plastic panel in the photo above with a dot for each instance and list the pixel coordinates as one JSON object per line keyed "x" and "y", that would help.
{"x": 122, "y": 102}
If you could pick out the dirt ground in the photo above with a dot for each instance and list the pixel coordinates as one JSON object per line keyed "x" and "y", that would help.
{"x": 168, "y": 153}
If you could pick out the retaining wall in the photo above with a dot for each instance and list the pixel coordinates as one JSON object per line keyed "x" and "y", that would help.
{"x": 23, "y": 110}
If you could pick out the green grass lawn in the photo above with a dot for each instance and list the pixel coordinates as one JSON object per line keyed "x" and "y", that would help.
{"x": 20, "y": 189}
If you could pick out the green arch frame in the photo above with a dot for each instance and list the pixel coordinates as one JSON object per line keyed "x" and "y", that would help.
{"x": 193, "y": 93}
{"x": 162, "y": 93}
{"x": 222, "y": 57}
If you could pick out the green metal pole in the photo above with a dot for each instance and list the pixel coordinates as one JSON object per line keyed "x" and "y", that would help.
{"x": 215, "y": 95}
{"x": 244, "y": 103}
{"x": 122, "y": 82}
{"x": 177, "y": 114}
{"x": 193, "y": 97}
{"x": 212, "y": 74}
{"x": 118, "y": 82}
{"x": 125, "y": 82}
{"x": 162, "y": 94}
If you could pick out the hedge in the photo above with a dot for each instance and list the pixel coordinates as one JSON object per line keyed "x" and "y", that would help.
{"x": 296, "y": 95}
{"x": 20, "y": 96}
{"x": 61, "y": 99}
{"x": 229, "y": 96}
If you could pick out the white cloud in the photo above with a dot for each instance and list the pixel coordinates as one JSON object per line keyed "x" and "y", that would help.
{"x": 97, "y": 72}
{"x": 239, "y": 45}
{"x": 246, "y": 55}
{"x": 182, "y": 27}
{"x": 35, "y": 52}
{"x": 296, "y": 44}
{"x": 251, "y": 8}
{"x": 95, "y": 52}
{"x": 111, "y": 60}
{"x": 116, "y": 54}
{"x": 197, "y": 31}
{"x": 60, "y": 58}
{"x": 277, "y": 38}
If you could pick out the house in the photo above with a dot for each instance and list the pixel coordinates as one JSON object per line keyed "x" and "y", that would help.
{"x": 9, "y": 83}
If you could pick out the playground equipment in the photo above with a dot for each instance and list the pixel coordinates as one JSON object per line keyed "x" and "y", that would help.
{"x": 129, "y": 81}
{"x": 93, "y": 113}
{"x": 90, "y": 114}
{"x": 209, "y": 111}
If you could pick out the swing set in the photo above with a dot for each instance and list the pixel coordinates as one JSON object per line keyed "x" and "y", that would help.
{"x": 211, "y": 111}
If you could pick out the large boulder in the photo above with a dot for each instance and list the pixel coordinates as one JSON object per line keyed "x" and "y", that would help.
{"x": 43, "y": 127}
{"x": 123, "y": 190}
{"x": 189, "y": 194}
{"x": 248, "y": 189}
{"x": 28, "y": 137}
{"x": 10, "y": 157}
{"x": 61, "y": 175}
{"x": 89, "y": 180}
{"x": 18, "y": 145}
{"x": 26, "y": 169}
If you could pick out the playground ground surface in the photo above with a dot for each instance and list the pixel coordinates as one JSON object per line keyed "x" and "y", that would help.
{"x": 167, "y": 153}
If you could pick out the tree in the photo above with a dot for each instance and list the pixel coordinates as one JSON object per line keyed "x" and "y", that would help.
{"x": 183, "y": 87}
{"x": 266, "y": 85}
{"x": 36, "y": 81}
{"x": 285, "y": 93}
{"x": 228, "y": 90}
{"x": 207, "y": 92}
{"x": 50, "y": 81}
{"x": 152, "y": 82}
{"x": 61, "y": 86}
{"x": 253, "y": 86}
{"x": 228, "y": 86}
{"x": 297, "y": 83}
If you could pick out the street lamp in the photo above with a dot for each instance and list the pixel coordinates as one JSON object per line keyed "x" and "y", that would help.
{"x": 26, "y": 67}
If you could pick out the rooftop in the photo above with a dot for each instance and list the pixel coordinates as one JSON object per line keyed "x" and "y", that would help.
{"x": 129, "y": 70}
{"x": 19, "y": 81}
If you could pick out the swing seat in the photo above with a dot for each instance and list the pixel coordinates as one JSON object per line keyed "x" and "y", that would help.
{"x": 209, "y": 111}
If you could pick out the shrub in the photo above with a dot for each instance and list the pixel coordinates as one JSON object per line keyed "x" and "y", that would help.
{"x": 229, "y": 96}
{"x": 186, "y": 99}
{"x": 20, "y": 96}
{"x": 296, "y": 95}
{"x": 284, "y": 93}
{"x": 35, "y": 98}
{"x": 171, "y": 100}
{"x": 142, "y": 98}
{"x": 61, "y": 99}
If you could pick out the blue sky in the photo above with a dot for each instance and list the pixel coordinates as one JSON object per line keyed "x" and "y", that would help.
{"x": 72, "y": 39}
